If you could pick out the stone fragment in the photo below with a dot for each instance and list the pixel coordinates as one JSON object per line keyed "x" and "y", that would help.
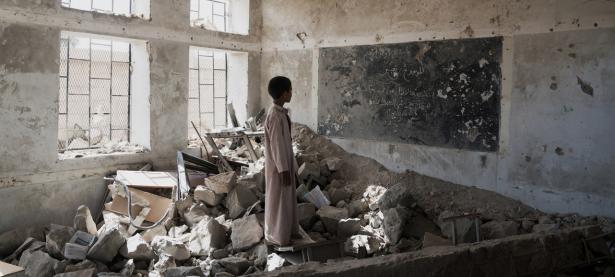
{"x": 238, "y": 200}
{"x": 219, "y": 254}
{"x": 109, "y": 242}
{"x": 355, "y": 243}
{"x": 545, "y": 227}
{"x": 137, "y": 248}
{"x": 418, "y": 225}
{"x": 306, "y": 212}
{"x": 274, "y": 261}
{"x": 333, "y": 163}
{"x": 430, "y": 240}
{"x": 83, "y": 221}
{"x": 308, "y": 169}
{"x": 221, "y": 183}
{"x": 165, "y": 261}
{"x": 184, "y": 271}
{"x": 207, "y": 235}
{"x": 398, "y": 194}
{"x": 208, "y": 196}
{"x": 357, "y": 207}
{"x": 348, "y": 227}
{"x": 179, "y": 232}
{"x": 38, "y": 263}
{"x": 56, "y": 238}
{"x": 235, "y": 265}
{"x": 150, "y": 234}
{"x": 195, "y": 214}
{"x": 375, "y": 219}
{"x": 172, "y": 247}
{"x": 246, "y": 232}
{"x": 338, "y": 194}
{"x": 259, "y": 254}
{"x": 499, "y": 229}
{"x": 466, "y": 228}
{"x": 83, "y": 265}
{"x": 90, "y": 272}
{"x": 372, "y": 195}
{"x": 12, "y": 239}
{"x": 330, "y": 216}
{"x": 394, "y": 221}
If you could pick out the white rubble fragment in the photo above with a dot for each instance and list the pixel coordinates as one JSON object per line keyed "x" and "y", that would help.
{"x": 137, "y": 248}
{"x": 246, "y": 232}
{"x": 109, "y": 242}
{"x": 207, "y": 235}
{"x": 150, "y": 234}
{"x": 355, "y": 243}
{"x": 221, "y": 183}
{"x": 170, "y": 246}
{"x": 208, "y": 196}
{"x": 238, "y": 200}
{"x": 83, "y": 221}
{"x": 274, "y": 261}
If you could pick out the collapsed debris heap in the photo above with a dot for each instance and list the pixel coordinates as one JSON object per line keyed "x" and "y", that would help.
{"x": 217, "y": 230}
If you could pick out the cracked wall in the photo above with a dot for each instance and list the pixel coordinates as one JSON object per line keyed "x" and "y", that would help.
{"x": 542, "y": 101}
{"x": 34, "y": 184}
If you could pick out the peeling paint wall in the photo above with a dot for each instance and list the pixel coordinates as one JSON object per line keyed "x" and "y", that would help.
{"x": 542, "y": 101}
{"x": 33, "y": 182}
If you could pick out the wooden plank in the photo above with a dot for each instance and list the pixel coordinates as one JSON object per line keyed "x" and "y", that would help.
{"x": 248, "y": 144}
{"x": 158, "y": 205}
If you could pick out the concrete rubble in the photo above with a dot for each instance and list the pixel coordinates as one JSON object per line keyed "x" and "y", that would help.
{"x": 217, "y": 230}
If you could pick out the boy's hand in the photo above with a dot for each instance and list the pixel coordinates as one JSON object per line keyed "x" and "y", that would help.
{"x": 285, "y": 178}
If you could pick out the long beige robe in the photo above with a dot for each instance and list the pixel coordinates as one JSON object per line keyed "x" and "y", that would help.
{"x": 280, "y": 201}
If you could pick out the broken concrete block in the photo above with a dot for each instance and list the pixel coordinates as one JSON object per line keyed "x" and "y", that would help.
{"x": 398, "y": 194}
{"x": 235, "y": 265}
{"x": 183, "y": 271}
{"x": 333, "y": 163}
{"x": 83, "y": 221}
{"x": 466, "y": 229}
{"x": 165, "y": 261}
{"x": 221, "y": 183}
{"x": 208, "y": 196}
{"x": 38, "y": 263}
{"x": 306, "y": 213}
{"x": 330, "y": 216}
{"x": 11, "y": 240}
{"x": 348, "y": 227}
{"x": 56, "y": 238}
{"x": 108, "y": 244}
{"x": 357, "y": 207}
{"x": 150, "y": 234}
{"x": 178, "y": 232}
{"x": 274, "y": 261}
{"x": 499, "y": 229}
{"x": 430, "y": 240}
{"x": 372, "y": 195}
{"x": 137, "y": 248}
{"x": 77, "y": 247}
{"x": 173, "y": 247}
{"x": 90, "y": 272}
{"x": 195, "y": 214}
{"x": 545, "y": 227}
{"x": 394, "y": 221}
{"x": 338, "y": 194}
{"x": 238, "y": 200}
{"x": 207, "y": 235}
{"x": 246, "y": 232}
{"x": 355, "y": 244}
{"x": 308, "y": 169}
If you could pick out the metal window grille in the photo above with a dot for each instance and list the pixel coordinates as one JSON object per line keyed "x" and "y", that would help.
{"x": 207, "y": 96}
{"x": 210, "y": 14}
{"x": 103, "y": 6}
{"x": 94, "y": 102}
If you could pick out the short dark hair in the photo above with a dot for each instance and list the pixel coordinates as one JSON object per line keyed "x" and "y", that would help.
{"x": 278, "y": 85}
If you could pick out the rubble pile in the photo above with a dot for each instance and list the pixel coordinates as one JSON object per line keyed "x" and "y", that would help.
{"x": 217, "y": 230}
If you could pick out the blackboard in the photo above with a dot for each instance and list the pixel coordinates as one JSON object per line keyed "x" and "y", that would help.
{"x": 436, "y": 93}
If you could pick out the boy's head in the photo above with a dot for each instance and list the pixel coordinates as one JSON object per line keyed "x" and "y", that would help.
{"x": 280, "y": 89}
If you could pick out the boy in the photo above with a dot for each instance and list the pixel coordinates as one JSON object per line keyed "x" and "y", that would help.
{"x": 281, "y": 220}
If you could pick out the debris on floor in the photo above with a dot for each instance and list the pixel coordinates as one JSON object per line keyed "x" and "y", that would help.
{"x": 216, "y": 229}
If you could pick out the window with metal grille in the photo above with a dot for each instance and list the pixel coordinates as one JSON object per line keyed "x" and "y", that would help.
{"x": 207, "y": 97}
{"x": 122, "y": 7}
{"x": 94, "y": 102}
{"x": 209, "y": 14}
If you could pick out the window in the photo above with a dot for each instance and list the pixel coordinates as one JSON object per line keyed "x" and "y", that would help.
{"x": 129, "y": 8}
{"x": 231, "y": 16}
{"x": 207, "y": 97}
{"x": 96, "y": 84}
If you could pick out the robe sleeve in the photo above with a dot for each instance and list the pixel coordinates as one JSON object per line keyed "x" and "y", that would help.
{"x": 278, "y": 145}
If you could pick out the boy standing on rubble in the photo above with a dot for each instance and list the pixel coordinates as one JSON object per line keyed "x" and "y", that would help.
{"x": 281, "y": 220}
